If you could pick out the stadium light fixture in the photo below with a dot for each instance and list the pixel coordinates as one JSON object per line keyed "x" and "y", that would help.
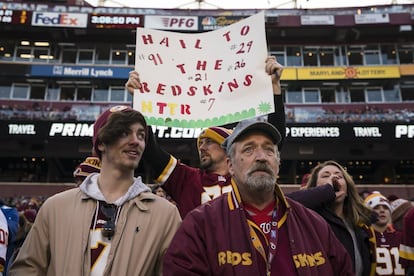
{"x": 35, "y": 80}
{"x": 330, "y": 83}
{"x": 41, "y": 43}
{"x": 66, "y": 44}
{"x": 46, "y": 57}
{"x": 360, "y": 83}
{"x": 406, "y": 28}
{"x": 26, "y": 56}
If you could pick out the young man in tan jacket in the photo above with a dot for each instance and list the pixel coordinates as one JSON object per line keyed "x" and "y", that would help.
{"x": 111, "y": 224}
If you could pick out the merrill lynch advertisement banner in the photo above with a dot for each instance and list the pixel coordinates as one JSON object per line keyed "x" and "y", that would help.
{"x": 111, "y": 72}
{"x": 204, "y": 79}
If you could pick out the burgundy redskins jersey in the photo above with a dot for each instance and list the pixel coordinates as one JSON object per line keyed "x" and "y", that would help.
{"x": 388, "y": 261}
{"x": 191, "y": 187}
{"x": 407, "y": 243}
{"x": 100, "y": 245}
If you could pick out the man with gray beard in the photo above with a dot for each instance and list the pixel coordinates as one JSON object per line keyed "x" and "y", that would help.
{"x": 254, "y": 229}
{"x": 261, "y": 182}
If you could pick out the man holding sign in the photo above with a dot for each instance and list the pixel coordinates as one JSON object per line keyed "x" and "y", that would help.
{"x": 190, "y": 187}
{"x": 207, "y": 79}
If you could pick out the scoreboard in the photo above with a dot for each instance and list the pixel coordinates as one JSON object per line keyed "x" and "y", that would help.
{"x": 14, "y": 17}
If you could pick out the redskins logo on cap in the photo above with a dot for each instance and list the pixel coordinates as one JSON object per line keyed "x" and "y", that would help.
{"x": 118, "y": 108}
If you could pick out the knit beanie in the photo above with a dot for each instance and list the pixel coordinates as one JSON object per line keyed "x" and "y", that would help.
{"x": 104, "y": 118}
{"x": 88, "y": 166}
{"x": 376, "y": 198}
{"x": 101, "y": 121}
{"x": 399, "y": 208}
{"x": 217, "y": 134}
{"x": 30, "y": 214}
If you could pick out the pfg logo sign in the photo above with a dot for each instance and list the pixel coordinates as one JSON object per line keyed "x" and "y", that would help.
{"x": 53, "y": 19}
{"x": 187, "y": 23}
{"x": 404, "y": 131}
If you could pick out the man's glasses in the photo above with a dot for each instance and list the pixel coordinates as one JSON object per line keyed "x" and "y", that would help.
{"x": 108, "y": 229}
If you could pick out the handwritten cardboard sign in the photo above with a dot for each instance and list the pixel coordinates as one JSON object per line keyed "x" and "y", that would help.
{"x": 203, "y": 79}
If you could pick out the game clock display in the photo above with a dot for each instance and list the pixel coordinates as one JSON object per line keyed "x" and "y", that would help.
{"x": 115, "y": 21}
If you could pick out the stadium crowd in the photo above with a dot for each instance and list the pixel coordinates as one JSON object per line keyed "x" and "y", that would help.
{"x": 36, "y": 112}
{"x": 348, "y": 114}
{"x": 27, "y": 110}
{"x": 227, "y": 217}
{"x": 398, "y": 208}
{"x": 361, "y": 233}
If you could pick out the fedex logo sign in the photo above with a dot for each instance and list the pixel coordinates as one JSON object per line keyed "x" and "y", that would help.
{"x": 53, "y": 19}
{"x": 172, "y": 22}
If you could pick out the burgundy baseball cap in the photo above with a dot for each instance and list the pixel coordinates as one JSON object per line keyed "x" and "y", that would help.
{"x": 101, "y": 121}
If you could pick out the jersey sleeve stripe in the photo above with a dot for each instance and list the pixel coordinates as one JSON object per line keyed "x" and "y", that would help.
{"x": 166, "y": 172}
{"x": 407, "y": 252}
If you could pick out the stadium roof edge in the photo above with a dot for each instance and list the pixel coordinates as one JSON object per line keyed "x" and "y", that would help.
{"x": 40, "y": 7}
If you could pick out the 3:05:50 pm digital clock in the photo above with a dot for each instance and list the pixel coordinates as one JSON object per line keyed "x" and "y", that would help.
{"x": 115, "y": 21}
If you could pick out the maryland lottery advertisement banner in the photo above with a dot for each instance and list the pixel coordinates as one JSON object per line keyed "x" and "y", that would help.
{"x": 205, "y": 79}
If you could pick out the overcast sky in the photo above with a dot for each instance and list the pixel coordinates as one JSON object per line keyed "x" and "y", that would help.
{"x": 243, "y": 4}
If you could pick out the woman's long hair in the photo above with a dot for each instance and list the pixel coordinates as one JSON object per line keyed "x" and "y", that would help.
{"x": 355, "y": 211}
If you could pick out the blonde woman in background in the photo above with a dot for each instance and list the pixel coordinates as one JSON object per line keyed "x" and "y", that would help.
{"x": 347, "y": 215}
